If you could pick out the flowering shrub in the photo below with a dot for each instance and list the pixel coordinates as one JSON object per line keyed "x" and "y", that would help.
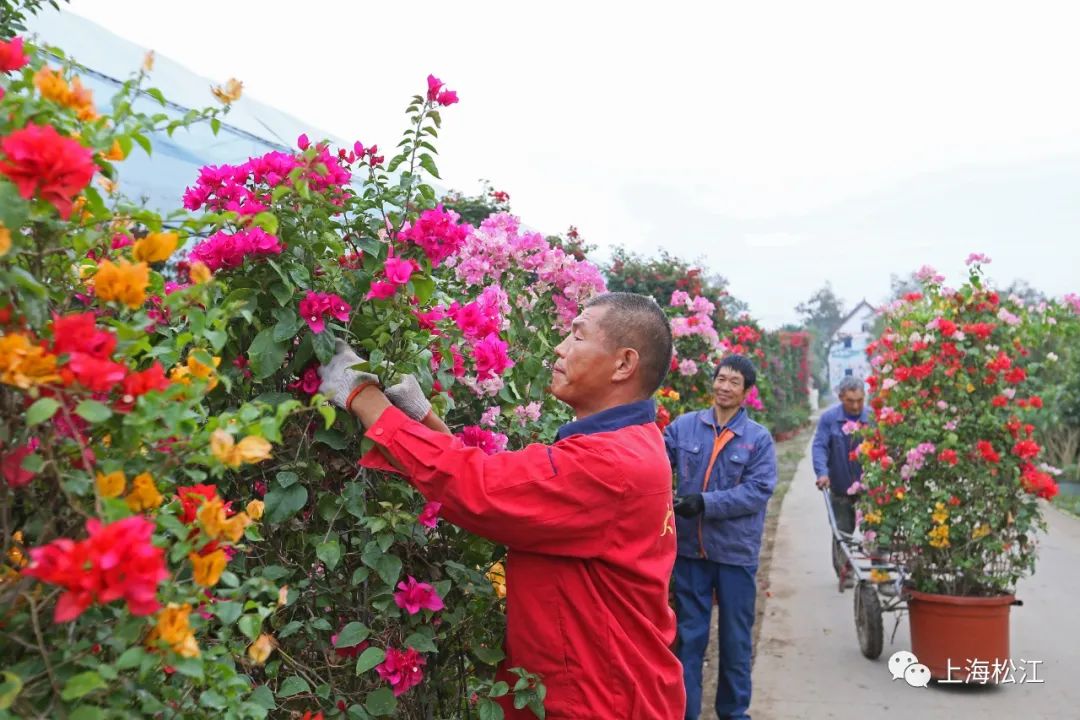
{"x": 185, "y": 529}
{"x": 952, "y": 466}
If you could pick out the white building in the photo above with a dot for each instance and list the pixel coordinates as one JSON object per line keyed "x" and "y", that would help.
{"x": 847, "y": 348}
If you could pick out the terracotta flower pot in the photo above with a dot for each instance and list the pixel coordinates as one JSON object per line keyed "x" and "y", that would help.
{"x": 948, "y": 628}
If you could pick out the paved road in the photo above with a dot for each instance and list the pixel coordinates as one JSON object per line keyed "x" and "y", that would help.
{"x": 808, "y": 661}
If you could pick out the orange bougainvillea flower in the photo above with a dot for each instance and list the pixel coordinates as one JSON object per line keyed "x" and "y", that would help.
{"x": 144, "y": 495}
{"x": 255, "y": 509}
{"x": 24, "y": 364}
{"x": 173, "y": 627}
{"x": 250, "y": 450}
{"x": 216, "y": 523}
{"x": 123, "y": 282}
{"x": 194, "y": 368}
{"x": 199, "y": 272}
{"x": 5, "y": 240}
{"x": 207, "y": 568}
{"x": 259, "y": 651}
{"x": 497, "y": 577}
{"x": 228, "y": 93}
{"x": 52, "y": 86}
{"x": 110, "y": 485}
{"x": 155, "y": 247}
{"x": 115, "y": 153}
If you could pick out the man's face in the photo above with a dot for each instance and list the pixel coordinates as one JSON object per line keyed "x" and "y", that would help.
{"x": 852, "y": 400}
{"x": 729, "y": 388}
{"x": 585, "y": 361}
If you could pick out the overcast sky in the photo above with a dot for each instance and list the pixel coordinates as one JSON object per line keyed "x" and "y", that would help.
{"x": 783, "y": 143}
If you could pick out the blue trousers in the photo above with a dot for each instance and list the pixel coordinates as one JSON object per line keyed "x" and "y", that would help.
{"x": 735, "y": 587}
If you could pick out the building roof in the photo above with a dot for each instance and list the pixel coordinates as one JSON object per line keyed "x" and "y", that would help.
{"x": 861, "y": 304}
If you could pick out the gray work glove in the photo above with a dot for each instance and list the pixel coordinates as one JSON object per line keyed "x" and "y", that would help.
{"x": 407, "y": 397}
{"x": 338, "y": 377}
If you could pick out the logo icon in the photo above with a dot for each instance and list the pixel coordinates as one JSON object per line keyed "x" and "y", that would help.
{"x": 903, "y": 665}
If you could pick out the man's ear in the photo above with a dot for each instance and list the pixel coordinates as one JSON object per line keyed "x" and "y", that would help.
{"x": 627, "y": 364}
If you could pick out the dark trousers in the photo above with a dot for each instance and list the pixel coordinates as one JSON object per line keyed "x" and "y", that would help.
{"x": 736, "y": 590}
{"x": 843, "y": 507}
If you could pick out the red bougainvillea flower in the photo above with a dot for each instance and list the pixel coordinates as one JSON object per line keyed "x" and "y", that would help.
{"x": 39, "y": 160}
{"x": 948, "y": 457}
{"x": 191, "y": 499}
{"x": 1037, "y": 482}
{"x": 12, "y": 55}
{"x": 982, "y": 330}
{"x": 315, "y": 306}
{"x": 139, "y": 383}
{"x": 78, "y": 333}
{"x": 986, "y": 449}
{"x": 116, "y": 561}
{"x": 413, "y": 596}
{"x": 1027, "y": 449}
{"x": 429, "y": 516}
{"x": 1016, "y": 376}
{"x": 309, "y": 381}
{"x": 402, "y": 669}
{"x": 11, "y": 465}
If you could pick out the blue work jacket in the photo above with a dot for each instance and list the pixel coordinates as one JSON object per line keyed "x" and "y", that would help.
{"x": 736, "y": 492}
{"x": 832, "y": 450}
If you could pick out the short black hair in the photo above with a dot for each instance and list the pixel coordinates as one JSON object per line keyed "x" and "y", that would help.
{"x": 740, "y": 364}
{"x": 636, "y": 321}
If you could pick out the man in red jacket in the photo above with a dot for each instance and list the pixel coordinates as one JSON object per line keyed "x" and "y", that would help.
{"x": 588, "y": 520}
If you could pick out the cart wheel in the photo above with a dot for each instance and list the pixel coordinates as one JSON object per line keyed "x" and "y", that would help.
{"x": 839, "y": 560}
{"x": 868, "y": 620}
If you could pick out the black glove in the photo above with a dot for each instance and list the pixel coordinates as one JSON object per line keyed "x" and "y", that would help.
{"x": 689, "y": 506}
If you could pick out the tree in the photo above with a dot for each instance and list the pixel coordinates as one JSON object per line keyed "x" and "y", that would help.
{"x": 822, "y": 313}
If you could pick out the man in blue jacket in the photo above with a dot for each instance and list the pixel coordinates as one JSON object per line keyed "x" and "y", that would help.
{"x": 833, "y": 443}
{"x": 725, "y": 464}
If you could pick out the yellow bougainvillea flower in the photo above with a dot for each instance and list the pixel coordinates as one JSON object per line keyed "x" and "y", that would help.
{"x": 497, "y": 577}
{"x": 214, "y": 521}
{"x": 5, "y": 240}
{"x": 110, "y": 485}
{"x": 174, "y": 628}
{"x": 228, "y": 93}
{"x": 259, "y": 651}
{"x": 144, "y": 495}
{"x": 148, "y": 61}
{"x": 940, "y": 514}
{"x": 194, "y": 368}
{"x": 108, "y": 185}
{"x": 250, "y": 450}
{"x": 155, "y": 247}
{"x": 24, "y": 364}
{"x": 15, "y": 554}
{"x": 980, "y": 531}
{"x": 199, "y": 272}
{"x": 207, "y": 569}
{"x": 123, "y": 282}
{"x": 879, "y": 576}
{"x": 872, "y": 518}
{"x": 283, "y": 596}
{"x": 255, "y": 509}
{"x": 939, "y": 536}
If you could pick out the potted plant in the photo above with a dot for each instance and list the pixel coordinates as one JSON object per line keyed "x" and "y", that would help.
{"x": 952, "y": 469}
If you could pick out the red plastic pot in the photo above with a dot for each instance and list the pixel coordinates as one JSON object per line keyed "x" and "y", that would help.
{"x": 948, "y": 628}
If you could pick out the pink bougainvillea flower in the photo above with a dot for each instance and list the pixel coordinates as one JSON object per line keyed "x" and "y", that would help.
{"x": 429, "y": 516}
{"x": 302, "y": 142}
{"x": 402, "y": 669}
{"x": 447, "y": 97}
{"x": 39, "y": 160}
{"x": 977, "y": 258}
{"x": 226, "y": 251}
{"x": 434, "y": 85}
{"x": 315, "y": 306}
{"x": 12, "y": 55}
{"x": 488, "y": 441}
{"x": 309, "y": 381}
{"x": 491, "y": 357}
{"x": 398, "y": 270}
{"x": 413, "y": 596}
{"x": 381, "y": 290}
{"x": 437, "y": 233}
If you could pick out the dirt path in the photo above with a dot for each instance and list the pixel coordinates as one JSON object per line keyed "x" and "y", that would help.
{"x": 808, "y": 662}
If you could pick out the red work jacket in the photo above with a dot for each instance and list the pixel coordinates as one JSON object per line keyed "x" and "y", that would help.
{"x": 591, "y": 538}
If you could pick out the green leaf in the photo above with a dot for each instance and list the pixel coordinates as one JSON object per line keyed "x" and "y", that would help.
{"x": 329, "y": 552}
{"x": 288, "y": 324}
{"x": 228, "y": 612}
{"x": 491, "y": 656}
{"x": 333, "y": 438}
{"x": 143, "y": 141}
{"x": 428, "y": 163}
{"x": 212, "y": 699}
{"x": 421, "y": 642}
{"x": 489, "y": 710}
{"x": 87, "y": 712}
{"x": 369, "y": 659}
{"x": 388, "y": 567}
{"x": 381, "y": 702}
{"x": 132, "y": 657}
{"x": 251, "y": 626}
{"x": 285, "y": 478}
{"x": 281, "y": 293}
{"x": 263, "y": 696}
{"x": 424, "y": 287}
{"x": 324, "y": 346}
{"x": 283, "y": 504}
{"x": 92, "y": 411}
{"x": 81, "y": 684}
{"x": 41, "y": 411}
{"x": 352, "y": 635}
{"x": 293, "y": 685}
{"x": 267, "y": 221}
{"x": 157, "y": 95}
{"x": 266, "y": 354}
{"x": 9, "y": 689}
{"x": 328, "y": 414}
{"x": 215, "y": 125}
